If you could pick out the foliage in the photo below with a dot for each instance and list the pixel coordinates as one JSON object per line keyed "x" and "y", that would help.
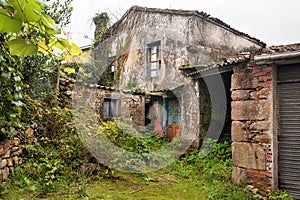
{"x": 53, "y": 156}
{"x": 126, "y": 137}
{"x": 107, "y": 77}
{"x": 276, "y": 195}
{"x": 60, "y": 11}
{"x": 25, "y": 30}
{"x": 223, "y": 150}
{"x": 11, "y": 87}
{"x": 101, "y": 21}
{"x": 40, "y": 74}
{"x": 131, "y": 83}
{"x": 41, "y": 71}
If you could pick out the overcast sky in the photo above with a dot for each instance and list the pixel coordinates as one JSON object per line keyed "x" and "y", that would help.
{"x": 274, "y": 22}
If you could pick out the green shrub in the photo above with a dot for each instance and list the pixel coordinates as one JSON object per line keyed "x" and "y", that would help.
{"x": 130, "y": 139}
{"x": 52, "y": 158}
{"x": 278, "y": 194}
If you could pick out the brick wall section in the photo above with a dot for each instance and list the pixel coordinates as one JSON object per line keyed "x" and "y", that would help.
{"x": 251, "y": 125}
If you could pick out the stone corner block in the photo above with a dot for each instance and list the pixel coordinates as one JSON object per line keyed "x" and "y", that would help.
{"x": 248, "y": 155}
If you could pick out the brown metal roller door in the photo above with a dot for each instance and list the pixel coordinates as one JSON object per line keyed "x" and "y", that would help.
{"x": 288, "y": 92}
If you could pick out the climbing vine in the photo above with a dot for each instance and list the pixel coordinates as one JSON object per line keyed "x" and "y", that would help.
{"x": 25, "y": 30}
{"x": 101, "y": 21}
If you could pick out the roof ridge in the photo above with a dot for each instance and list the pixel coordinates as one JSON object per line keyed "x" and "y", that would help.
{"x": 200, "y": 14}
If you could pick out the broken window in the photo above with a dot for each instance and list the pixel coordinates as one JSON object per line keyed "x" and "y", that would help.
{"x": 153, "y": 59}
{"x": 110, "y": 108}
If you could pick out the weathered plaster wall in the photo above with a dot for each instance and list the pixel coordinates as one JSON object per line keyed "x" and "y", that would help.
{"x": 184, "y": 39}
{"x": 252, "y": 111}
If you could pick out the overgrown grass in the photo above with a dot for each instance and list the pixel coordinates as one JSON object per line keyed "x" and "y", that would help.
{"x": 191, "y": 177}
{"x": 57, "y": 166}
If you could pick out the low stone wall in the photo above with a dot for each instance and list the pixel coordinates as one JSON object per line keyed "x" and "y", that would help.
{"x": 251, "y": 125}
{"x": 10, "y": 156}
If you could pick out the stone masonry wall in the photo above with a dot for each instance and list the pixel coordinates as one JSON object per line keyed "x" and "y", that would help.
{"x": 251, "y": 125}
{"x": 10, "y": 156}
{"x": 131, "y": 103}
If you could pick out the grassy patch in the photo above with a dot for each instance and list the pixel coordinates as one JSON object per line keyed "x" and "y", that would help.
{"x": 192, "y": 177}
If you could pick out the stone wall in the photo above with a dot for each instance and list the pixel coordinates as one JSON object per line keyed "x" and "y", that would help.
{"x": 10, "y": 156}
{"x": 251, "y": 93}
{"x": 131, "y": 103}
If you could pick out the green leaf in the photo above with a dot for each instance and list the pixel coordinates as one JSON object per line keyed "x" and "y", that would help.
{"x": 65, "y": 43}
{"x": 50, "y": 25}
{"x": 12, "y": 129}
{"x": 75, "y": 49}
{"x": 43, "y": 3}
{"x": 18, "y": 96}
{"x": 6, "y": 75}
{"x": 18, "y": 103}
{"x": 20, "y": 47}
{"x": 27, "y": 10}
{"x": 13, "y": 115}
{"x": 17, "y": 78}
{"x": 8, "y": 24}
{"x": 18, "y": 88}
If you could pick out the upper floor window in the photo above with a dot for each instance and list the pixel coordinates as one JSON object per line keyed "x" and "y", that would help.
{"x": 153, "y": 59}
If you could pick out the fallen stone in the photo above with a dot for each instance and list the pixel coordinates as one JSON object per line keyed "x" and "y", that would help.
{"x": 6, "y": 154}
{"x": 29, "y": 132}
{"x": 10, "y": 162}
{"x": 5, "y": 173}
{"x": 16, "y": 160}
{"x": 3, "y": 163}
{"x": 16, "y": 141}
{"x": 15, "y": 149}
{"x": 6, "y": 146}
{"x": 17, "y": 153}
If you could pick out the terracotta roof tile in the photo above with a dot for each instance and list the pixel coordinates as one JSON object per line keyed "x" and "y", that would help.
{"x": 282, "y": 48}
{"x": 198, "y": 71}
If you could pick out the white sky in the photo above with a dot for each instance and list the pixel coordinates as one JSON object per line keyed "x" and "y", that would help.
{"x": 274, "y": 22}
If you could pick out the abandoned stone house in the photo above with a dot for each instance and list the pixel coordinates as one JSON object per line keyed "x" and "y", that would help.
{"x": 147, "y": 48}
{"x": 176, "y": 57}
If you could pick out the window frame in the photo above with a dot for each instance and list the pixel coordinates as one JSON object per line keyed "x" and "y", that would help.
{"x": 110, "y": 114}
{"x": 153, "y": 66}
